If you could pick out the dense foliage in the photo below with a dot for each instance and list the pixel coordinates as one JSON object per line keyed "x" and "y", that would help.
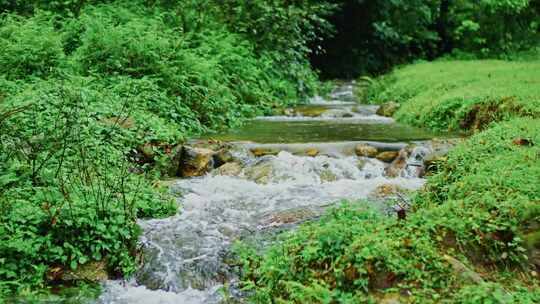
{"x": 96, "y": 95}
{"x": 373, "y": 36}
{"x": 472, "y": 236}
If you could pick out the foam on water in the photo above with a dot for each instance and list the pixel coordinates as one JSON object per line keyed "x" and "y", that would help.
{"x": 355, "y": 118}
{"x": 185, "y": 255}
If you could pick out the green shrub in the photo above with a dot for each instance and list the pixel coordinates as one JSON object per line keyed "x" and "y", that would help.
{"x": 66, "y": 192}
{"x": 28, "y": 47}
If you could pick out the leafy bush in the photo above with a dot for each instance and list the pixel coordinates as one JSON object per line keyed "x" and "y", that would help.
{"x": 28, "y": 47}
{"x": 66, "y": 194}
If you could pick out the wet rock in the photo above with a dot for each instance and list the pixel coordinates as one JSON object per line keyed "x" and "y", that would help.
{"x": 365, "y": 150}
{"x": 229, "y": 169}
{"x": 338, "y": 113}
{"x": 93, "y": 272}
{"x": 399, "y": 163}
{"x": 463, "y": 271}
{"x": 388, "y": 109}
{"x": 387, "y": 156}
{"x": 223, "y": 156}
{"x": 312, "y": 152}
{"x": 285, "y": 217}
{"x": 261, "y": 151}
{"x": 260, "y": 173}
{"x": 310, "y": 111}
{"x": 386, "y": 190}
{"x": 289, "y": 112}
{"x": 195, "y": 161}
{"x": 327, "y": 176}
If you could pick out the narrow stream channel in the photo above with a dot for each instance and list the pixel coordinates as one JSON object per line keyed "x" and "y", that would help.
{"x": 185, "y": 255}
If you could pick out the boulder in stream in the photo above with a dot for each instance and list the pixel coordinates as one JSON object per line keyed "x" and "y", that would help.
{"x": 195, "y": 161}
{"x": 312, "y": 152}
{"x": 260, "y": 173}
{"x": 399, "y": 163}
{"x": 262, "y": 151}
{"x": 230, "y": 169}
{"x": 366, "y": 150}
{"x": 387, "y": 156}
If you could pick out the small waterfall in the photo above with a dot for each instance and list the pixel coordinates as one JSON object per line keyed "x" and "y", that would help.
{"x": 414, "y": 166}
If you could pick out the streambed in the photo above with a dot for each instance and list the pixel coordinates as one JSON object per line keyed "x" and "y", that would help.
{"x": 186, "y": 255}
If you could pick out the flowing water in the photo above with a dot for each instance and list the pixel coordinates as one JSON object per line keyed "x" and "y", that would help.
{"x": 186, "y": 255}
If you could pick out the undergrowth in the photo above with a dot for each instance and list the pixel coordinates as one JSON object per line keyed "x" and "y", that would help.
{"x": 95, "y": 97}
{"x": 481, "y": 209}
{"x": 459, "y": 95}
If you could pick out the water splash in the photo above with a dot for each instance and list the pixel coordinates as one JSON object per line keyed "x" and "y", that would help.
{"x": 185, "y": 256}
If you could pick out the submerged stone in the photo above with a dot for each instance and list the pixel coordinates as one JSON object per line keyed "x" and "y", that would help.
{"x": 312, "y": 152}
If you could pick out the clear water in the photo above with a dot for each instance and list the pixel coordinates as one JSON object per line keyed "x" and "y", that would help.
{"x": 186, "y": 255}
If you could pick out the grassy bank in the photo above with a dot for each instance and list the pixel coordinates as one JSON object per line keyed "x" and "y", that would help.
{"x": 460, "y": 95}
{"x": 472, "y": 236}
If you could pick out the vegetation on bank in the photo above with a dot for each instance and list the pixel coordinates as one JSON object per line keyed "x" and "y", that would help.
{"x": 472, "y": 235}
{"x": 95, "y": 96}
{"x": 458, "y": 95}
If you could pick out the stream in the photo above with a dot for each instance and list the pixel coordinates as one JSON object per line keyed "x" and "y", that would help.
{"x": 307, "y": 161}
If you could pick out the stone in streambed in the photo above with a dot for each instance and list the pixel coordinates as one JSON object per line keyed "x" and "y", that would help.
{"x": 195, "y": 161}
{"x": 312, "y": 152}
{"x": 258, "y": 152}
{"x": 365, "y": 150}
{"x": 285, "y": 217}
{"x": 327, "y": 176}
{"x": 229, "y": 169}
{"x": 399, "y": 163}
{"x": 260, "y": 173}
{"x": 387, "y": 190}
{"x": 223, "y": 156}
{"x": 388, "y": 109}
{"x": 387, "y": 156}
{"x": 94, "y": 272}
